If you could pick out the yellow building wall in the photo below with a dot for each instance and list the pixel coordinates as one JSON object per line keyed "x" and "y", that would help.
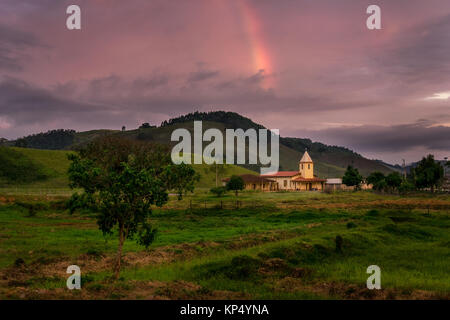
{"x": 306, "y": 169}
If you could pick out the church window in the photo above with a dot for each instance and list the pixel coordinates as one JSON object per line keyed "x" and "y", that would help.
{"x": 309, "y": 166}
{"x": 285, "y": 183}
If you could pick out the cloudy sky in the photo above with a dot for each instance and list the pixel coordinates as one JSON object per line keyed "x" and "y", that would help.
{"x": 309, "y": 68}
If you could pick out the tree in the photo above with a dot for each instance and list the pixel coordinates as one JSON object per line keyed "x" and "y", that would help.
{"x": 146, "y": 125}
{"x": 235, "y": 184}
{"x": 124, "y": 179}
{"x": 124, "y": 128}
{"x": 352, "y": 177}
{"x": 428, "y": 173}
{"x": 394, "y": 180}
{"x": 182, "y": 178}
{"x": 218, "y": 191}
{"x": 377, "y": 180}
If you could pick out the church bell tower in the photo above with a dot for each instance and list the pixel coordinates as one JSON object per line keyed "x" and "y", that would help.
{"x": 306, "y": 166}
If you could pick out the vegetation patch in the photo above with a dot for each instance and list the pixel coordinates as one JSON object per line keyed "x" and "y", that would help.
{"x": 18, "y": 168}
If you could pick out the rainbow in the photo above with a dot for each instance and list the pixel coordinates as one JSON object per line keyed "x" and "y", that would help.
{"x": 260, "y": 55}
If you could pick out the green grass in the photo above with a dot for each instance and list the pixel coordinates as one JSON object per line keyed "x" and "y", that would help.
{"x": 39, "y": 172}
{"x": 410, "y": 245}
{"x": 42, "y": 169}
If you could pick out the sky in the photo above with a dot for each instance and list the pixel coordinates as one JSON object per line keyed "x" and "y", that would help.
{"x": 311, "y": 69}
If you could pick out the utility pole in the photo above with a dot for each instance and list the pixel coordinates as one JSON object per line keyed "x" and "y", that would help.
{"x": 404, "y": 168}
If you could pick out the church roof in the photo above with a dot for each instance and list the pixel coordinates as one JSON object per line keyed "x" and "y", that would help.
{"x": 281, "y": 174}
{"x": 251, "y": 178}
{"x": 306, "y": 157}
{"x": 301, "y": 179}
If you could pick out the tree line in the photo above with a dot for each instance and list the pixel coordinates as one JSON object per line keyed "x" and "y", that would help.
{"x": 427, "y": 175}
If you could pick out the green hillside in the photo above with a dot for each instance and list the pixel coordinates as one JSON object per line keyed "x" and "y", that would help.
{"x": 47, "y": 169}
{"x": 288, "y": 157}
{"x": 330, "y": 161}
{"x": 34, "y": 168}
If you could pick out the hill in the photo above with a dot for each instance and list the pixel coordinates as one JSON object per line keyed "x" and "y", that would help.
{"x": 330, "y": 161}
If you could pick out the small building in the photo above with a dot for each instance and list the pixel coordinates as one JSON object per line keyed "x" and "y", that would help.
{"x": 333, "y": 184}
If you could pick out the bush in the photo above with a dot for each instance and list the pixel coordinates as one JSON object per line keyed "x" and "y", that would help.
{"x": 218, "y": 191}
{"x": 351, "y": 225}
{"x": 243, "y": 267}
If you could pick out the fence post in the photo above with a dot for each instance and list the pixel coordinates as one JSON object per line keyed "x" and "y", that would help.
{"x": 190, "y": 204}
{"x": 221, "y": 204}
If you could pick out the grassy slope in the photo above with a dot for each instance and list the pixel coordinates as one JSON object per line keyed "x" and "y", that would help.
{"x": 328, "y": 163}
{"x": 54, "y": 164}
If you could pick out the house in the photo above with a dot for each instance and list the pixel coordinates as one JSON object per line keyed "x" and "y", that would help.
{"x": 301, "y": 180}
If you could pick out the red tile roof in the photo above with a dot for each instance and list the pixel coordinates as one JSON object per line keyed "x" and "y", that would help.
{"x": 308, "y": 180}
{"x": 251, "y": 178}
{"x": 281, "y": 174}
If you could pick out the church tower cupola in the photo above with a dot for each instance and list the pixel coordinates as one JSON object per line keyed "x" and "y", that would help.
{"x": 306, "y": 166}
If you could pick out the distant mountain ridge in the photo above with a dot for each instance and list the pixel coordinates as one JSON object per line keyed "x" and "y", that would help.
{"x": 330, "y": 161}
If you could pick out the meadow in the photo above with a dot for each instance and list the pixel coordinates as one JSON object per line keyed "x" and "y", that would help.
{"x": 277, "y": 245}
{"x": 262, "y": 246}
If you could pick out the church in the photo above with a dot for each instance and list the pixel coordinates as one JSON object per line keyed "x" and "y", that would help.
{"x": 301, "y": 180}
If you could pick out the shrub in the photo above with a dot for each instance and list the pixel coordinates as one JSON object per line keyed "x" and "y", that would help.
{"x": 218, "y": 191}
{"x": 351, "y": 225}
{"x": 243, "y": 267}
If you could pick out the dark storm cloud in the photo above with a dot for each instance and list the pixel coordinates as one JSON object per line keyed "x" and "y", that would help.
{"x": 202, "y": 75}
{"x": 396, "y": 138}
{"x": 13, "y": 45}
{"x": 25, "y": 104}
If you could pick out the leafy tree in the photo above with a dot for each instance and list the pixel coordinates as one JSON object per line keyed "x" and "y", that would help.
{"x": 352, "y": 177}
{"x": 218, "y": 191}
{"x": 146, "y": 125}
{"x": 182, "y": 178}
{"x": 235, "y": 184}
{"x": 394, "y": 180}
{"x": 428, "y": 173}
{"x": 124, "y": 179}
{"x": 377, "y": 180}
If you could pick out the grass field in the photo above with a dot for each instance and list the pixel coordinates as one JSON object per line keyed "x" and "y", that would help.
{"x": 256, "y": 246}
{"x": 267, "y": 246}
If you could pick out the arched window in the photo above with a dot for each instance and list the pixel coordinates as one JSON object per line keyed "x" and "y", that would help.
{"x": 309, "y": 166}
{"x": 302, "y": 166}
